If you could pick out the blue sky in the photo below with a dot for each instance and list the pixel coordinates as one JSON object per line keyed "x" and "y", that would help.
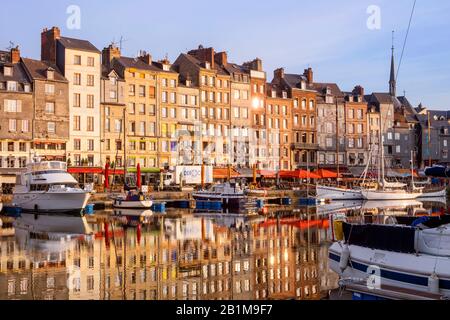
{"x": 330, "y": 36}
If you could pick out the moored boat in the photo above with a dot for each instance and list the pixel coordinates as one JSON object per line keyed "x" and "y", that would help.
{"x": 47, "y": 188}
{"x": 132, "y": 202}
{"x": 231, "y": 195}
{"x": 408, "y": 258}
{"x": 337, "y": 193}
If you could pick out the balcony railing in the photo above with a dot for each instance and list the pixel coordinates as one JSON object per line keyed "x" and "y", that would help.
{"x": 308, "y": 146}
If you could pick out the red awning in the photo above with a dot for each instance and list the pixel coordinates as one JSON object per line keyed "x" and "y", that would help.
{"x": 299, "y": 174}
{"x": 267, "y": 174}
{"x": 85, "y": 170}
{"x": 222, "y": 173}
{"x": 327, "y": 174}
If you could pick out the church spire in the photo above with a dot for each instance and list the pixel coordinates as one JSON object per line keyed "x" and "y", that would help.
{"x": 392, "y": 80}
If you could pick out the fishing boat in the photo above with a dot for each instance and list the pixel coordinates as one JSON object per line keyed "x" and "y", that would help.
{"x": 409, "y": 260}
{"x": 47, "y": 188}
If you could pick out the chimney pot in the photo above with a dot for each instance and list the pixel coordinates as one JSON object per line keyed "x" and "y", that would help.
{"x": 15, "y": 55}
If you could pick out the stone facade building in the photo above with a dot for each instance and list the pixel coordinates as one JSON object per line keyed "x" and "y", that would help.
{"x": 16, "y": 116}
{"x": 51, "y": 109}
{"x": 330, "y": 109}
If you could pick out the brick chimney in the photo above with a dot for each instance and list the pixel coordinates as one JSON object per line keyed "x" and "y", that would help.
{"x": 359, "y": 91}
{"x": 48, "y": 44}
{"x": 108, "y": 54}
{"x": 15, "y": 55}
{"x": 221, "y": 58}
{"x": 279, "y": 73}
{"x": 309, "y": 75}
{"x": 204, "y": 55}
{"x": 255, "y": 65}
{"x": 146, "y": 58}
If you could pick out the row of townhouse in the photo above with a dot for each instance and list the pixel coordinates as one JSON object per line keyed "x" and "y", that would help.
{"x": 90, "y": 107}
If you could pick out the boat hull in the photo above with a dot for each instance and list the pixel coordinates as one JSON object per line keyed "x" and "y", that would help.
{"x": 435, "y": 194}
{"x": 123, "y": 204}
{"x": 332, "y": 193}
{"x": 401, "y": 270}
{"x": 52, "y": 202}
{"x": 52, "y": 224}
{"x": 390, "y": 195}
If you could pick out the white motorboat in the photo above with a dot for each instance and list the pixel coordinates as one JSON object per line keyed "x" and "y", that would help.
{"x": 229, "y": 194}
{"x": 336, "y": 193}
{"x": 404, "y": 259}
{"x": 47, "y": 188}
{"x": 132, "y": 202}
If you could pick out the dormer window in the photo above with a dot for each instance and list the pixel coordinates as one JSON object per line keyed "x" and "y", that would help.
{"x": 303, "y": 85}
{"x": 50, "y": 74}
{"x": 274, "y": 94}
{"x": 8, "y": 71}
{"x": 27, "y": 88}
{"x": 166, "y": 67}
{"x": 113, "y": 81}
{"x": 436, "y": 118}
{"x": 328, "y": 90}
{"x": 284, "y": 95}
{"x": 188, "y": 83}
{"x": 11, "y": 86}
{"x": 207, "y": 65}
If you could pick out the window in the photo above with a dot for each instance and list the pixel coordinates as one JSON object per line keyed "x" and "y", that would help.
{"x": 90, "y": 124}
{"x": 304, "y": 104}
{"x": 25, "y": 125}
{"x": 142, "y": 128}
{"x": 77, "y": 60}
{"x": 173, "y": 83}
{"x": 90, "y": 61}
{"x": 8, "y": 71}
{"x": 51, "y": 127}
{"x": 49, "y": 89}
{"x": 131, "y": 108}
{"x": 131, "y": 90}
{"x": 76, "y": 100}
{"x": 173, "y": 97}
{"x": 12, "y": 125}
{"x": 141, "y": 91}
{"x": 90, "y": 101}
{"x": 77, "y": 144}
{"x": 13, "y": 106}
{"x": 112, "y": 94}
{"x": 164, "y": 97}
{"x": 76, "y": 123}
{"x": 118, "y": 125}
{"x": 142, "y": 109}
{"x": 77, "y": 79}
{"x": 91, "y": 145}
{"x": 90, "y": 80}
{"x": 12, "y": 86}
{"x": 50, "y": 107}
{"x": 22, "y": 146}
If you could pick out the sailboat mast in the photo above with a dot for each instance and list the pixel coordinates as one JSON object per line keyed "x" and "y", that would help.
{"x": 337, "y": 139}
{"x": 124, "y": 147}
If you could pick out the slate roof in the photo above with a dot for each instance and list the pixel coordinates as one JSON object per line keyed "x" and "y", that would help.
{"x": 136, "y": 63}
{"x": 38, "y": 69}
{"x": 77, "y": 44}
{"x": 200, "y": 64}
{"x": 19, "y": 74}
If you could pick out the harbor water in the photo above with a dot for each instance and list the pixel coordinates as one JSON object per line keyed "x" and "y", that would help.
{"x": 181, "y": 254}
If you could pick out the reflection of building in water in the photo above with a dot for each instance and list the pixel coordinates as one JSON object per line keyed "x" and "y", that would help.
{"x": 25, "y": 277}
{"x": 200, "y": 260}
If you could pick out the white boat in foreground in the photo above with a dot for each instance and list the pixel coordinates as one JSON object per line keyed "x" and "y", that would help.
{"x": 405, "y": 259}
{"x": 335, "y": 193}
{"x": 47, "y": 188}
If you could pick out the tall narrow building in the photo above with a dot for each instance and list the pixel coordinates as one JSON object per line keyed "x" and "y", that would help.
{"x": 80, "y": 63}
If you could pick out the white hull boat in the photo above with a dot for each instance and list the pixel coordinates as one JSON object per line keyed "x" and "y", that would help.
{"x": 229, "y": 195}
{"x": 47, "y": 188}
{"x": 390, "y": 195}
{"x": 120, "y": 203}
{"x": 52, "y": 224}
{"x": 333, "y": 193}
{"x": 407, "y": 258}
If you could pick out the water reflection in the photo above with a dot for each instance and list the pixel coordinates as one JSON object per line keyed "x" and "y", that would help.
{"x": 193, "y": 257}
{"x": 118, "y": 255}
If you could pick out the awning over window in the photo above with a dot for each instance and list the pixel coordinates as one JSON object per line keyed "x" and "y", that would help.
{"x": 222, "y": 173}
{"x": 267, "y": 174}
{"x": 86, "y": 170}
